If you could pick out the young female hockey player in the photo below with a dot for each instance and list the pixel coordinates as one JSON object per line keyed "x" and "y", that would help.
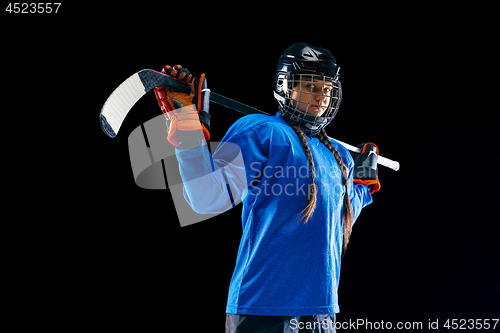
{"x": 301, "y": 192}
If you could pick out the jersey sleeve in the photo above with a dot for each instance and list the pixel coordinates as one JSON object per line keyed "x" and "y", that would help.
{"x": 215, "y": 183}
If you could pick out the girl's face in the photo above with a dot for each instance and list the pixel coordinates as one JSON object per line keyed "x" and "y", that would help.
{"x": 312, "y": 96}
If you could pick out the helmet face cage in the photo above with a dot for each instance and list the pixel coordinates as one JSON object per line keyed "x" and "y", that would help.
{"x": 312, "y": 101}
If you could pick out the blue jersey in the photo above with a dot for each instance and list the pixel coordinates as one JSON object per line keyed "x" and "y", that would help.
{"x": 284, "y": 267}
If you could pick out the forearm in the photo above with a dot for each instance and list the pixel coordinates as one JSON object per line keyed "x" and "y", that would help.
{"x": 360, "y": 198}
{"x": 211, "y": 185}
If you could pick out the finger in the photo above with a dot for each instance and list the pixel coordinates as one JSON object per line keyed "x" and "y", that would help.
{"x": 175, "y": 71}
{"x": 171, "y": 72}
{"x": 184, "y": 74}
{"x": 165, "y": 68}
{"x": 178, "y": 72}
{"x": 181, "y": 73}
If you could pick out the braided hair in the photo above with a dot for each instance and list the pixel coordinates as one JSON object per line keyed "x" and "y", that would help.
{"x": 312, "y": 193}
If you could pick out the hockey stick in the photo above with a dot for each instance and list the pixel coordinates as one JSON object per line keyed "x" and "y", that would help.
{"x": 119, "y": 103}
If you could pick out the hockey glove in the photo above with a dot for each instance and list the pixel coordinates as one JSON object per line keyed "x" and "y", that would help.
{"x": 185, "y": 112}
{"x": 365, "y": 167}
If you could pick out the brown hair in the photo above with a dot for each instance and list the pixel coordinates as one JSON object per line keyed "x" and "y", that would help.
{"x": 311, "y": 197}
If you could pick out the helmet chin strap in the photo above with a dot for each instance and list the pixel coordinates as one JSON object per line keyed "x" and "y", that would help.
{"x": 312, "y": 128}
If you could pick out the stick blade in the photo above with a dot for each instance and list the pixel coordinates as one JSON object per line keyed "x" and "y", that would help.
{"x": 119, "y": 103}
{"x": 106, "y": 127}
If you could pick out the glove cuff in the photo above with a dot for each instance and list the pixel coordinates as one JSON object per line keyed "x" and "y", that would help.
{"x": 373, "y": 185}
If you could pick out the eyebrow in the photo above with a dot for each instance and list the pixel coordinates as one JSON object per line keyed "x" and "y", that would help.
{"x": 326, "y": 83}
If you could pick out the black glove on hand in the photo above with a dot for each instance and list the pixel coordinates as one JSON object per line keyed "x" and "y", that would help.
{"x": 365, "y": 166}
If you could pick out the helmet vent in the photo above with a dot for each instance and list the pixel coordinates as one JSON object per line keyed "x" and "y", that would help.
{"x": 312, "y": 67}
{"x": 309, "y": 53}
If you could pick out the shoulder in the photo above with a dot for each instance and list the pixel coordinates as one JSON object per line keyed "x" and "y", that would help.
{"x": 253, "y": 121}
{"x": 262, "y": 125}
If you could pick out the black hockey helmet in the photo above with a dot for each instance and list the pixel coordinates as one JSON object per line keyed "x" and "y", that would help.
{"x": 299, "y": 67}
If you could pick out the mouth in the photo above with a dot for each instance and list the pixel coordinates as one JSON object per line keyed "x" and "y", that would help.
{"x": 317, "y": 108}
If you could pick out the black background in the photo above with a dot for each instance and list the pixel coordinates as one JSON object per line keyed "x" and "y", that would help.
{"x": 90, "y": 248}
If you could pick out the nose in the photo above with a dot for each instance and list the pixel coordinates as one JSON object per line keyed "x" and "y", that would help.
{"x": 321, "y": 97}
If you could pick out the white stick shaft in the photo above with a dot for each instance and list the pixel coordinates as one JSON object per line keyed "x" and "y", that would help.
{"x": 394, "y": 165}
